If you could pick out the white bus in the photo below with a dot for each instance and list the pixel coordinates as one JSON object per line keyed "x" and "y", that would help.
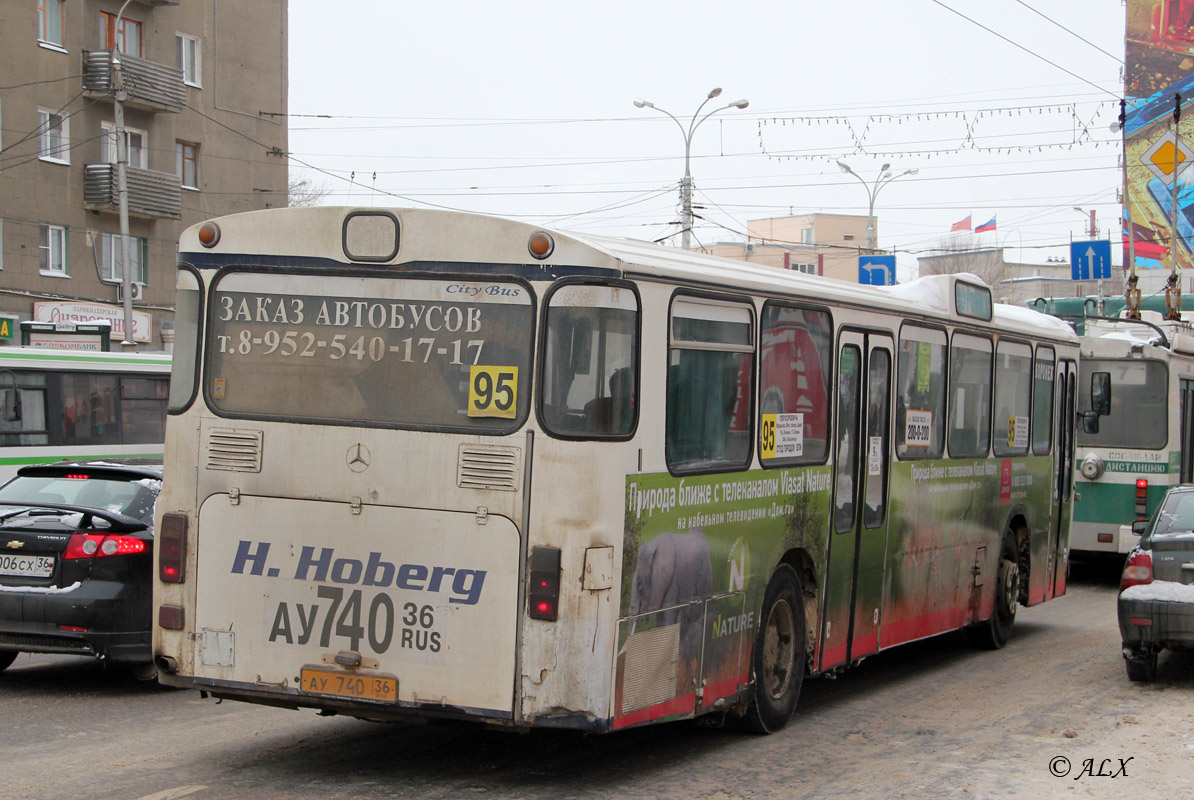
{"x": 58, "y": 405}
{"x": 1144, "y": 444}
{"x": 424, "y": 463}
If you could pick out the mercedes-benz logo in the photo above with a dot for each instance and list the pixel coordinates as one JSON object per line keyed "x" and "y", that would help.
{"x": 358, "y": 457}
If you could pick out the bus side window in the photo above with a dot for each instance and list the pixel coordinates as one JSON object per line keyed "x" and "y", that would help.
{"x": 590, "y": 361}
{"x": 709, "y": 385}
{"x": 1013, "y": 398}
{"x": 30, "y": 428}
{"x": 920, "y": 393}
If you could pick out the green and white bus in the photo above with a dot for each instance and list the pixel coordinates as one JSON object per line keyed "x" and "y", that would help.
{"x": 427, "y": 463}
{"x": 67, "y": 405}
{"x": 1144, "y": 444}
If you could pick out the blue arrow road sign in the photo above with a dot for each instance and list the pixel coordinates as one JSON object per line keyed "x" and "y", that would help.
{"x": 876, "y": 270}
{"x": 1090, "y": 261}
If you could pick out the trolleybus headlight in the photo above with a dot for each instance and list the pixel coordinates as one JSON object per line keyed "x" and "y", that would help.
{"x": 209, "y": 234}
{"x": 172, "y": 548}
{"x": 541, "y": 245}
{"x": 543, "y": 595}
{"x": 1092, "y": 467}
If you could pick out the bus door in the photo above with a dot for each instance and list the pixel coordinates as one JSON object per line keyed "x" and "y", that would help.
{"x": 1063, "y": 476}
{"x": 858, "y": 525}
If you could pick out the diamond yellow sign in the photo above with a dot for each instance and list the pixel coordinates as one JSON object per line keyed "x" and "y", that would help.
{"x": 1167, "y": 157}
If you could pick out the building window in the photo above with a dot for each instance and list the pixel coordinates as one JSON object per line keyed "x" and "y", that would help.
{"x": 808, "y": 269}
{"x": 806, "y": 235}
{"x": 51, "y": 250}
{"x": 137, "y": 143}
{"x": 51, "y": 21}
{"x": 53, "y": 137}
{"x": 125, "y": 37}
{"x": 189, "y": 59}
{"x": 848, "y": 237}
{"x": 187, "y": 164}
{"x": 113, "y": 256}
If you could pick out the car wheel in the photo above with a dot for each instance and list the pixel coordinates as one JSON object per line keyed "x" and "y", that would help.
{"x": 779, "y": 654}
{"x": 6, "y": 658}
{"x": 1142, "y": 669}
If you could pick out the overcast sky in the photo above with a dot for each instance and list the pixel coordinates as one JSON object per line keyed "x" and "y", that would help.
{"x": 524, "y": 109}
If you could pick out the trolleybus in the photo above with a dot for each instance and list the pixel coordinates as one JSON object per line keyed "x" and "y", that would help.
{"x": 1143, "y": 446}
{"x": 60, "y": 405}
{"x": 427, "y": 463}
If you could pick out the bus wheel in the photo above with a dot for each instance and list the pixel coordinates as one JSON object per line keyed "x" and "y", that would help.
{"x": 995, "y": 632}
{"x": 777, "y": 665}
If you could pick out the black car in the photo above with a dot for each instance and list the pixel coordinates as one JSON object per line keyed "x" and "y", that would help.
{"x": 76, "y": 562}
{"x": 1156, "y": 599}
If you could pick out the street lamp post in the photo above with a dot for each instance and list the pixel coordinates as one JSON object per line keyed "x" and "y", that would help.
{"x": 686, "y": 184}
{"x": 884, "y": 177}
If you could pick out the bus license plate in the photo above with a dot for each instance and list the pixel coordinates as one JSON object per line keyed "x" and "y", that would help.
{"x": 27, "y": 566}
{"x": 351, "y": 685}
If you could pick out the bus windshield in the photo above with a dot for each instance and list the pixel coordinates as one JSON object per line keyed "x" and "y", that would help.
{"x": 379, "y": 350}
{"x": 1138, "y": 391}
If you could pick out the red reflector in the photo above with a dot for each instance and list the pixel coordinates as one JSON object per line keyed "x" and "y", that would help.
{"x": 72, "y": 628}
{"x": 171, "y": 617}
{"x": 1106, "y": 538}
{"x": 1143, "y": 623}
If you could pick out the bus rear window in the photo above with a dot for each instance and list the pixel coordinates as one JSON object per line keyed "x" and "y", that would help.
{"x": 370, "y": 351}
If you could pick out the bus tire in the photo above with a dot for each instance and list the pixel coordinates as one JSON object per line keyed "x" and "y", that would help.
{"x": 995, "y": 631}
{"x": 777, "y": 664}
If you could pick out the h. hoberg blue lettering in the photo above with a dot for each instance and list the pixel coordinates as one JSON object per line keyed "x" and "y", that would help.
{"x": 322, "y": 566}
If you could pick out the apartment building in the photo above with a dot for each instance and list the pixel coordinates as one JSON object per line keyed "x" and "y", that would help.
{"x": 204, "y": 112}
{"x": 819, "y": 244}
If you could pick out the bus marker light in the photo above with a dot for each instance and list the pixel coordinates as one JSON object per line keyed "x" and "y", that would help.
{"x": 172, "y": 548}
{"x": 1106, "y": 538}
{"x": 541, "y": 245}
{"x": 544, "y": 591}
{"x": 209, "y": 234}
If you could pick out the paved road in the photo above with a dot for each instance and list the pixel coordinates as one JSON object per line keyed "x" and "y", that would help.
{"x": 932, "y": 719}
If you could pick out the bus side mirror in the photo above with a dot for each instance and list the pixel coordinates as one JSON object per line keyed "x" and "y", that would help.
{"x": 1100, "y": 393}
{"x": 1139, "y": 527}
{"x": 1090, "y": 421}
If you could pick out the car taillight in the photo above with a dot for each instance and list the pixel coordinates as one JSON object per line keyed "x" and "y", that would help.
{"x": 1138, "y": 571}
{"x": 1141, "y": 498}
{"x": 543, "y": 600}
{"x": 97, "y": 545}
{"x": 172, "y": 548}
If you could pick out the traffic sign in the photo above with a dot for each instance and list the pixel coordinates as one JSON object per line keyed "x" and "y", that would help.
{"x": 1167, "y": 157}
{"x": 1090, "y": 260}
{"x": 876, "y": 270}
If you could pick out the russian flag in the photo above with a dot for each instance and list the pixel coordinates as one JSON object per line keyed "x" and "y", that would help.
{"x": 986, "y": 226}
{"x": 963, "y": 225}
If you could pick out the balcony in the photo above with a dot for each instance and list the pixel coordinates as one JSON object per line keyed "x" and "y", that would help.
{"x": 149, "y": 86}
{"x": 152, "y": 195}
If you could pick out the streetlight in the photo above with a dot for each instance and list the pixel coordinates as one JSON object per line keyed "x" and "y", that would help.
{"x": 1094, "y": 229}
{"x": 694, "y": 123}
{"x": 884, "y": 177}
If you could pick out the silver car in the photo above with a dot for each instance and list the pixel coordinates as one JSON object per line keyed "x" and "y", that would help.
{"x": 1156, "y": 598}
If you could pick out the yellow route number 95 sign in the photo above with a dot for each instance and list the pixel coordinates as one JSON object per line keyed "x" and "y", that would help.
{"x": 493, "y": 392}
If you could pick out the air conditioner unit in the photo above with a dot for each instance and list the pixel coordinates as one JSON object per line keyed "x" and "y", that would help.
{"x": 137, "y": 288}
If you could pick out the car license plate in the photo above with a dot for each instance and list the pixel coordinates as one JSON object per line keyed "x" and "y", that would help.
{"x": 352, "y": 685}
{"x": 26, "y": 566}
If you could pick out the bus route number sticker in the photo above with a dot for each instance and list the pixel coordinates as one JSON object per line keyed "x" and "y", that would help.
{"x": 1017, "y": 433}
{"x": 493, "y": 392}
{"x": 782, "y": 436}
{"x": 918, "y": 428}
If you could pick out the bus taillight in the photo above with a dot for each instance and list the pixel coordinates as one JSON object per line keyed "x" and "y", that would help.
{"x": 172, "y": 548}
{"x": 543, "y": 600}
{"x": 1141, "y": 497}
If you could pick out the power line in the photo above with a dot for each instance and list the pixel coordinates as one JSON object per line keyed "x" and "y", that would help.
{"x": 1117, "y": 59}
